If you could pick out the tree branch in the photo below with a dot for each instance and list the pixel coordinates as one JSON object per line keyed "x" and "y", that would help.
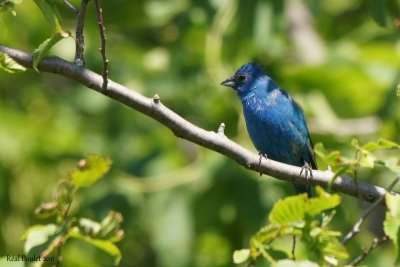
{"x": 357, "y": 226}
{"x": 182, "y": 128}
{"x": 79, "y": 38}
{"x": 103, "y": 37}
{"x": 376, "y": 243}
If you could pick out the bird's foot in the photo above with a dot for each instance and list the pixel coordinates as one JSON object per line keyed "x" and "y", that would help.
{"x": 262, "y": 155}
{"x": 307, "y": 171}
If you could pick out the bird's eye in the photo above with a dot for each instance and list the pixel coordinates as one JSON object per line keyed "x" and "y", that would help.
{"x": 242, "y": 78}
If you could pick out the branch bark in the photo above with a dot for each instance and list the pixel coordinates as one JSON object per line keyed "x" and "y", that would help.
{"x": 182, "y": 128}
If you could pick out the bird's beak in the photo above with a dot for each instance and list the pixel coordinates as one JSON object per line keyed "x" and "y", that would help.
{"x": 229, "y": 82}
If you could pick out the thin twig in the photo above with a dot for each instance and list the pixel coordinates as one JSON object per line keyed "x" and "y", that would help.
{"x": 103, "y": 37}
{"x": 357, "y": 226}
{"x": 377, "y": 242}
{"x": 79, "y": 38}
{"x": 188, "y": 131}
{"x": 71, "y": 6}
{"x": 294, "y": 248}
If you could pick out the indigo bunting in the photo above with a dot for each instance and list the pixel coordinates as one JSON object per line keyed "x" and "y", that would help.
{"x": 274, "y": 121}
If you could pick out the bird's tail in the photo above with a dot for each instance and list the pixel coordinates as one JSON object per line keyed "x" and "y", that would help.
{"x": 300, "y": 189}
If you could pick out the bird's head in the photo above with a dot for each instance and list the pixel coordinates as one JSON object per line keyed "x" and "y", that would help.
{"x": 246, "y": 78}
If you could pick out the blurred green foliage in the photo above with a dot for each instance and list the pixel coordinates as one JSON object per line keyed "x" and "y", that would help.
{"x": 184, "y": 205}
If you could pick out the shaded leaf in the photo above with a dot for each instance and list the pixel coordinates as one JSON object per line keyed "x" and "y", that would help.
{"x": 50, "y": 11}
{"x": 105, "y": 245}
{"x": 378, "y": 11}
{"x": 91, "y": 169}
{"x": 392, "y": 164}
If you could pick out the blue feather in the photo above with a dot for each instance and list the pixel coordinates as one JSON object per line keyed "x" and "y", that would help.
{"x": 275, "y": 122}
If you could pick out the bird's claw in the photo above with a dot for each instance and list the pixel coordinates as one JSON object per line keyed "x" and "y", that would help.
{"x": 307, "y": 171}
{"x": 262, "y": 155}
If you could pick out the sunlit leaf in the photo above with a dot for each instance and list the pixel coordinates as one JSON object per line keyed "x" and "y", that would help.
{"x": 334, "y": 248}
{"x": 7, "y": 261}
{"x": 342, "y": 170}
{"x": 380, "y": 144}
{"x": 46, "y": 209}
{"x": 240, "y": 256}
{"x": 292, "y": 263}
{"x": 90, "y": 169}
{"x": 288, "y": 209}
{"x": 323, "y": 201}
{"x": 10, "y": 65}
{"x": 391, "y": 225}
{"x": 110, "y": 225}
{"x": 44, "y": 47}
{"x": 88, "y": 227}
{"x": 331, "y": 159}
{"x": 42, "y": 240}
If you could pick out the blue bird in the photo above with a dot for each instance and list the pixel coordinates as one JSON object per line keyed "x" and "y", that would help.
{"x": 275, "y": 122}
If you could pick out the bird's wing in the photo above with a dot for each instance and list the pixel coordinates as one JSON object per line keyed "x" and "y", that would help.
{"x": 311, "y": 153}
{"x": 301, "y": 126}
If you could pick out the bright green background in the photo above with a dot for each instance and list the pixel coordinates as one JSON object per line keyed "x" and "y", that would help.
{"x": 184, "y": 205}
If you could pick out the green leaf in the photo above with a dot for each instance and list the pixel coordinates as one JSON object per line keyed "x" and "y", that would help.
{"x": 393, "y": 164}
{"x": 391, "y": 225}
{"x": 367, "y": 159}
{"x": 44, "y": 47}
{"x": 90, "y": 169}
{"x": 288, "y": 209}
{"x": 110, "y": 226}
{"x": 50, "y": 11}
{"x": 277, "y": 254}
{"x": 342, "y": 170}
{"x": 393, "y": 204}
{"x": 380, "y": 144}
{"x": 105, "y": 245}
{"x": 292, "y": 263}
{"x": 324, "y": 201}
{"x": 42, "y": 240}
{"x": 88, "y": 227}
{"x": 7, "y": 5}
{"x": 37, "y": 235}
{"x": 294, "y": 208}
{"x": 10, "y": 65}
{"x": 5, "y": 262}
{"x": 378, "y": 11}
{"x": 332, "y": 159}
{"x": 46, "y": 210}
{"x": 241, "y": 256}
